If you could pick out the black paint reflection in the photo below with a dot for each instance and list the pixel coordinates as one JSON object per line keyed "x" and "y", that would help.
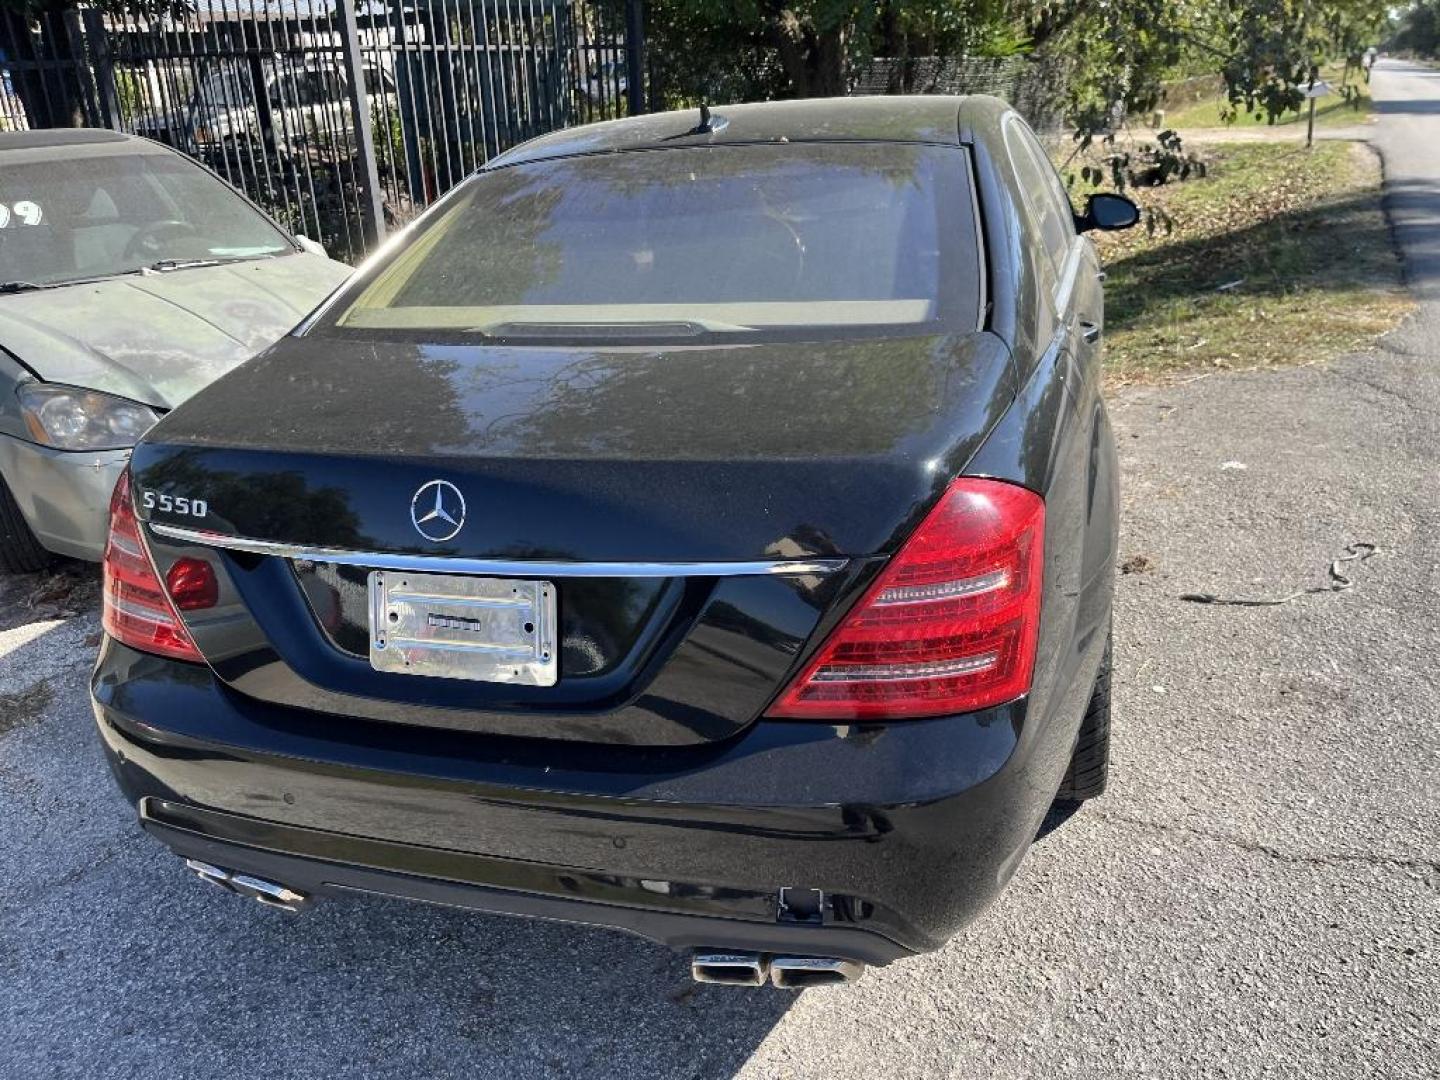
{"x": 663, "y": 455}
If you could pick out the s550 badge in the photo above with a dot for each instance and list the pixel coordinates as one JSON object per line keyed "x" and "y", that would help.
{"x": 176, "y": 504}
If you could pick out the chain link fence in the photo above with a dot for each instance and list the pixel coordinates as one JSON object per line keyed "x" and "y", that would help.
{"x": 1036, "y": 88}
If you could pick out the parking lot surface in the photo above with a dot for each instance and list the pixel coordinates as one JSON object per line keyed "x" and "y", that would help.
{"x": 1258, "y": 895}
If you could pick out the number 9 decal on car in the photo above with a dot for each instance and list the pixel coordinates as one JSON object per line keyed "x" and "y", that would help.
{"x": 24, "y": 211}
{"x": 176, "y": 504}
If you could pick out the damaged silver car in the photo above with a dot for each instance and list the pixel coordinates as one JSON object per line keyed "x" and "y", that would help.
{"x": 130, "y": 277}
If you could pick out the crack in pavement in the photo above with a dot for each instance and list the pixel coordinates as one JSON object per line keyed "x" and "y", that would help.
{"x": 1333, "y": 859}
{"x": 1398, "y": 348}
{"x": 36, "y": 892}
{"x": 1356, "y": 379}
{"x": 79, "y": 873}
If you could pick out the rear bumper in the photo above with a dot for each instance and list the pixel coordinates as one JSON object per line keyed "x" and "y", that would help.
{"x": 64, "y": 496}
{"x": 908, "y": 831}
{"x": 455, "y": 879}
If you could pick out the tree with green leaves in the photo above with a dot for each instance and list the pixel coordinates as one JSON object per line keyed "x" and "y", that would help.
{"x": 1122, "y": 52}
{"x": 1417, "y": 29}
{"x": 747, "y": 49}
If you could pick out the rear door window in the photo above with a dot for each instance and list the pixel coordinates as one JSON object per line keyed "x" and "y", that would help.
{"x": 1044, "y": 195}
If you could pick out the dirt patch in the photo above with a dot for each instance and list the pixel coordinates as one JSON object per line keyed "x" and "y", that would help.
{"x": 66, "y": 590}
{"x": 21, "y": 708}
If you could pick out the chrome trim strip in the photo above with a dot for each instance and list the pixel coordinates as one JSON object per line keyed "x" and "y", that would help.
{"x": 442, "y": 564}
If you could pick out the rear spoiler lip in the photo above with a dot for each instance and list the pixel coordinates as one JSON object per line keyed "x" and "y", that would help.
{"x": 447, "y": 564}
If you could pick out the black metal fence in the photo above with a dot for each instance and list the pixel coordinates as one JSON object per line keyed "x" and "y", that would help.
{"x": 345, "y": 118}
{"x": 342, "y": 117}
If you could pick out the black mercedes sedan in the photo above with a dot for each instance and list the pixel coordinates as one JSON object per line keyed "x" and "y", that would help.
{"x": 700, "y": 525}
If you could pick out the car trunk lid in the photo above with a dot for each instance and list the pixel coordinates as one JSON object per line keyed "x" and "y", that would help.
{"x": 696, "y": 476}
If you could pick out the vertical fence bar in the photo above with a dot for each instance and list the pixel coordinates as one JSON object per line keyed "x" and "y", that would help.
{"x": 388, "y": 112}
{"x": 500, "y": 63}
{"x": 635, "y": 56}
{"x": 98, "y": 45}
{"x": 372, "y": 210}
{"x": 321, "y": 118}
{"x": 492, "y": 117}
{"x": 437, "y": 99}
{"x": 42, "y": 71}
{"x": 479, "y": 137}
{"x": 405, "y": 102}
{"x": 81, "y": 70}
{"x": 566, "y": 35}
{"x": 271, "y": 144}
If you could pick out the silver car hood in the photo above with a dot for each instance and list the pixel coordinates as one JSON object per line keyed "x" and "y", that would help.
{"x": 158, "y": 338}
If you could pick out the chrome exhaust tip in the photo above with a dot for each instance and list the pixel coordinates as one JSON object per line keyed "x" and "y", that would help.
{"x": 799, "y": 972}
{"x": 268, "y": 893}
{"x": 729, "y": 969}
{"x": 214, "y": 875}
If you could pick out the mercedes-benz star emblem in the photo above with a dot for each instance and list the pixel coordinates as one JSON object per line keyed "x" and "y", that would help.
{"x": 438, "y": 510}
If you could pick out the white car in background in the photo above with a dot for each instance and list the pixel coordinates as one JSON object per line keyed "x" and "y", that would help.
{"x": 309, "y": 108}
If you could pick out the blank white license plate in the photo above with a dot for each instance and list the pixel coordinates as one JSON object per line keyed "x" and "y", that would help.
{"x": 450, "y": 626}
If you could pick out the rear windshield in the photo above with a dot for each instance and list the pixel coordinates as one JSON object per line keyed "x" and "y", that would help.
{"x": 775, "y": 241}
{"x": 93, "y": 216}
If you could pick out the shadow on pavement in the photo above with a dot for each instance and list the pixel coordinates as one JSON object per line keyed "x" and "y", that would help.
{"x": 1413, "y": 106}
{"x": 118, "y": 962}
{"x": 1058, "y": 815}
{"x": 115, "y": 961}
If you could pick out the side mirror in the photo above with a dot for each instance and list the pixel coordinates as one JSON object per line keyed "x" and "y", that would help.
{"x": 1108, "y": 213}
{"x": 314, "y": 247}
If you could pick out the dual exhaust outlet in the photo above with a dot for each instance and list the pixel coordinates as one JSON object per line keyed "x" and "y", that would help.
{"x": 786, "y": 972}
{"x": 722, "y": 968}
{"x": 270, "y": 893}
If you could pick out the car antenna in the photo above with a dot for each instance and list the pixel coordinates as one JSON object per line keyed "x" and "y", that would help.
{"x": 708, "y": 123}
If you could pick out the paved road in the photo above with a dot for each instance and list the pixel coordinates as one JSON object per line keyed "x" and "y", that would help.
{"x": 1259, "y": 896}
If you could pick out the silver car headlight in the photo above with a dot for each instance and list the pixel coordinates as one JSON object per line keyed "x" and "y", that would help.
{"x": 69, "y": 418}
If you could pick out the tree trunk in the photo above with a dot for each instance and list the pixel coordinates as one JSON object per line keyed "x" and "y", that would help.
{"x": 814, "y": 62}
{"x": 829, "y": 63}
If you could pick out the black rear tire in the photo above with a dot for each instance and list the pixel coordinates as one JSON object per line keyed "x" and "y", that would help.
{"x": 20, "y": 552}
{"x": 1090, "y": 764}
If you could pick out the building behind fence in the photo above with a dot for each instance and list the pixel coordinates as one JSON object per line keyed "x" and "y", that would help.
{"x": 344, "y": 118}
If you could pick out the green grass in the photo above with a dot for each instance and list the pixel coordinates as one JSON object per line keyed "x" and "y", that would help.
{"x": 1330, "y": 111}
{"x": 1278, "y": 256}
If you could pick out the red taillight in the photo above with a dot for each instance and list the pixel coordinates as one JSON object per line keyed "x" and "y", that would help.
{"x": 949, "y": 626}
{"x": 191, "y": 584}
{"x": 137, "y": 610}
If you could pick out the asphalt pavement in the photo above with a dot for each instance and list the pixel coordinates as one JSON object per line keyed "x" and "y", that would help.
{"x": 1258, "y": 895}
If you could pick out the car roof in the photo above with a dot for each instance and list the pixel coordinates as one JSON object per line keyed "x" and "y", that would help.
{"x": 72, "y": 143}
{"x": 26, "y": 140}
{"x": 927, "y": 118}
